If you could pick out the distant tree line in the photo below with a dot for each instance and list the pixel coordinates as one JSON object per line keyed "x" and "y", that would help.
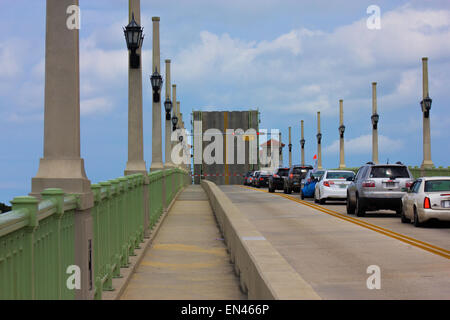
{"x": 4, "y": 208}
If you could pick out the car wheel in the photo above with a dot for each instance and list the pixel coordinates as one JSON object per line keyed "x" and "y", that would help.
{"x": 322, "y": 200}
{"x": 350, "y": 208}
{"x": 403, "y": 217}
{"x": 416, "y": 221}
{"x": 360, "y": 210}
{"x": 301, "y": 195}
{"x": 271, "y": 190}
{"x": 289, "y": 190}
{"x": 315, "y": 198}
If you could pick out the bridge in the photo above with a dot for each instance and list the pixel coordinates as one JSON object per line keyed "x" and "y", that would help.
{"x": 153, "y": 234}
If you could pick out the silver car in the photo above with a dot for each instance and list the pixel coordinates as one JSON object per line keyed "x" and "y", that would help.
{"x": 428, "y": 198}
{"x": 377, "y": 187}
{"x": 333, "y": 185}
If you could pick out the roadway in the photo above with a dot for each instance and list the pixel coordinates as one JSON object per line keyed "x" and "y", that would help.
{"x": 332, "y": 250}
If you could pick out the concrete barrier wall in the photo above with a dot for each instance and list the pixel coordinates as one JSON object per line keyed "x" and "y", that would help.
{"x": 264, "y": 273}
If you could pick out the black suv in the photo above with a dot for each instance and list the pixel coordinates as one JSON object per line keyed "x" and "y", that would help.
{"x": 293, "y": 181}
{"x": 263, "y": 179}
{"x": 276, "y": 180}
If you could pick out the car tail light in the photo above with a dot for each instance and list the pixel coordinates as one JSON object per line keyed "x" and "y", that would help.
{"x": 426, "y": 203}
{"x": 328, "y": 183}
{"x": 291, "y": 175}
{"x": 408, "y": 184}
{"x": 276, "y": 176}
{"x": 368, "y": 184}
{"x": 261, "y": 179}
{"x": 445, "y": 195}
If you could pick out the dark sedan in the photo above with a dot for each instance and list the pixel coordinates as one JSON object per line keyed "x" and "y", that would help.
{"x": 263, "y": 179}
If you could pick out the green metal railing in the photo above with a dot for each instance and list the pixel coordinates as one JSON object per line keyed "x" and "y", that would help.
{"x": 37, "y": 247}
{"x": 37, "y": 238}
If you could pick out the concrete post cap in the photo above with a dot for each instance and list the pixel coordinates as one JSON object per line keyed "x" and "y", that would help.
{"x": 167, "y": 60}
{"x": 374, "y": 83}
{"x": 155, "y": 19}
{"x": 424, "y": 58}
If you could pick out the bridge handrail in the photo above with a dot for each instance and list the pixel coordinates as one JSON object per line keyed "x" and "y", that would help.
{"x": 37, "y": 238}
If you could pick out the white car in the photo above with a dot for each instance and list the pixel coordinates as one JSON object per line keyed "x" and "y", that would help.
{"x": 333, "y": 185}
{"x": 428, "y": 198}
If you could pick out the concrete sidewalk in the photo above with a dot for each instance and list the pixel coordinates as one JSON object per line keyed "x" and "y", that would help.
{"x": 188, "y": 258}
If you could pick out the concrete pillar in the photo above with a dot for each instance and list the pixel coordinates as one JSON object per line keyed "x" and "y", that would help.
{"x": 319, "y": 143}
{"x": 374, "y": 126}
{"x": 157, "y": 162}
{"x": 135, "y": 163}
{"x": 290, "y": 148}
{"x": 341, "y": 134}
{"x": 168, "y": 143}
{"x": 62, "y": 167}
{"x": 302, "y": 142}
{"x": 427, "y": 163}
{"x": 281, "y": 154}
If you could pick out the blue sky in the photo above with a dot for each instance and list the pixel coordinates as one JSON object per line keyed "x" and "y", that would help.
{"x": 288, "y": 58}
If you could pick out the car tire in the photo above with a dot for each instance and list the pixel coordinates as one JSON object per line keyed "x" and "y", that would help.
{"x": 416, "y": 221}
{"x": 360, "y": 209}
{"x": 403, "y": 217}
{"x": 350, "y": 208}
{"x": 289, "y": 190}
{"x": 315, "y": 198}
{"x": 271, "y": 190}
{"x": 301, "y": 195}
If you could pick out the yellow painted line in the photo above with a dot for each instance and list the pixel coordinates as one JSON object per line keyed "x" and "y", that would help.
{"x": 406, "y": 239}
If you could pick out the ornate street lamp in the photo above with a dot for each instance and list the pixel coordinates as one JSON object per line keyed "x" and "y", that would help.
{"x": 290, "y": 147}
{"x": 375, "y": 118}
{"x": 168, "y": 107}
{"x": 426, "y": 106}
{"x": 319, "y": 138}
{"x": 342, "y": 131}
{"x": 157, "y": 82}
{"x": 302, "y": 143}
{"x": 134, "y": 39}
{"x": 174, "y": 122}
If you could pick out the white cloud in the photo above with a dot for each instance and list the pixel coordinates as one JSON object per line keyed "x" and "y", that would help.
{"x": 10, "y": 65}
{"x": 363, "y": 145}
{"x": 95, "y": 105}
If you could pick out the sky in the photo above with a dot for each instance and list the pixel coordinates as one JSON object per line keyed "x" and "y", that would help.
{"x": 287, "y": 58}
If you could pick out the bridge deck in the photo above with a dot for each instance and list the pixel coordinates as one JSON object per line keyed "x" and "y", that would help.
{"x": 188, "y": 258}
{"x": 332, "y": 254}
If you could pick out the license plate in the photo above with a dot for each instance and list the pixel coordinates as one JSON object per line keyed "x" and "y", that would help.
{"x": 446, "y": 204}
{"x": 390, "y": 184}
{"x": 343, "y": 186}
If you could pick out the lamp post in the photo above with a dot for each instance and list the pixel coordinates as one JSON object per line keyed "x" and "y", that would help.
{"x": 426, "y": 107}
{"x": 290, "y": 148}
{"x": 134, "y": 38}
{"x": 168, "y": 129}
{"x": 319, "y": 143}
{"x": 62, "y": 166}
{"x": 302, "y": 142}
{"x": 156, "y": 82}
{"x": 375, "y": 118}
{"x": 341, "y": 135}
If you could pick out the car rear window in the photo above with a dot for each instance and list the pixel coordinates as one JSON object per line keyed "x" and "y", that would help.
{"x": 265, "y": 173}
{"x": 389, "y": 172}
{"x": 317, "y": 174}
{"x": 437, "y": 185}
{"x": 283, "y": 172}
{"x": 339, "y": 175}
{"x": 301, "y": 171}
